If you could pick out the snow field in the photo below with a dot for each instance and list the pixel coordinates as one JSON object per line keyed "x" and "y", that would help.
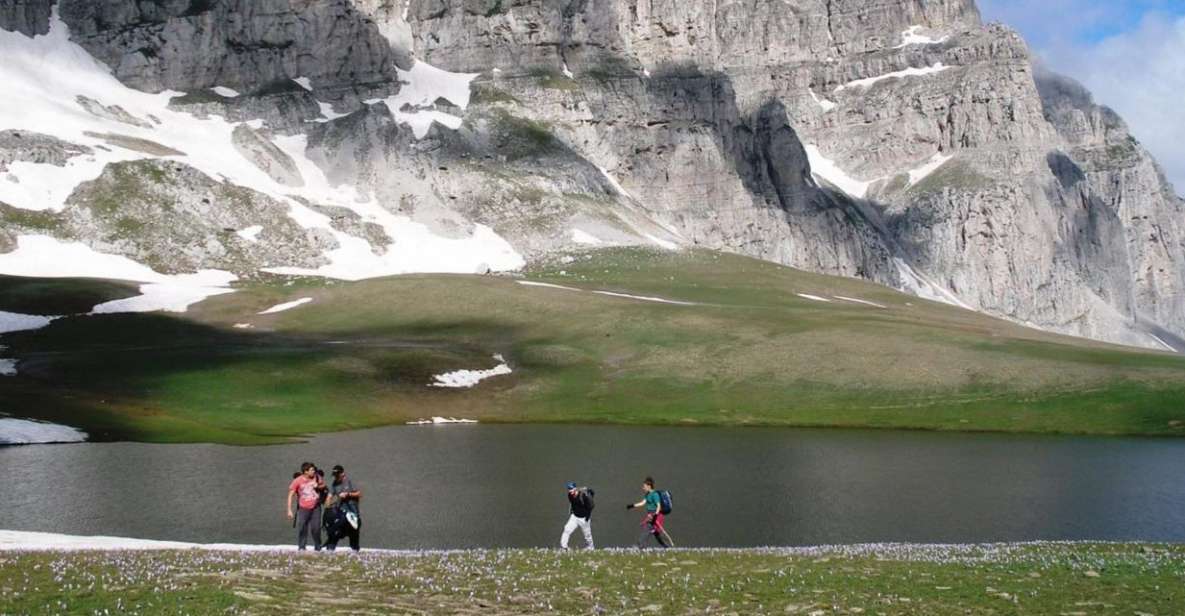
{"x": 44, "y": 74}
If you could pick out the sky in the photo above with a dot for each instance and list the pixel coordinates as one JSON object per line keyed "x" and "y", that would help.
{"x": 1131, "y": 55}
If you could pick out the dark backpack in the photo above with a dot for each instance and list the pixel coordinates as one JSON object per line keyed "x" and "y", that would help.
{"x": 587, "y": 495}
{"x": 664, "y": 500}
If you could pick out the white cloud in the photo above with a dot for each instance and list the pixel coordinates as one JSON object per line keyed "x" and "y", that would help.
{"x": 1140, "y": 74}
{"x": 1130, "y": 55}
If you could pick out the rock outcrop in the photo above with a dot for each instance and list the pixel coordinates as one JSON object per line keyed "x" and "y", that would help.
{"x": 664, "y": 95}
{"x": 904, "y": 141}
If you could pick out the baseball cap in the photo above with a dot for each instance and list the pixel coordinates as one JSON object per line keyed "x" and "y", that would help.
{"x": 571, "y": 485}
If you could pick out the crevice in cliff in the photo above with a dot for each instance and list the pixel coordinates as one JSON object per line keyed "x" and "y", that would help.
{"x": 831, "y": 27}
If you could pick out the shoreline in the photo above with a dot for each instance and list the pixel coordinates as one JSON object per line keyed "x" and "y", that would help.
{"x": 35, "y": 541}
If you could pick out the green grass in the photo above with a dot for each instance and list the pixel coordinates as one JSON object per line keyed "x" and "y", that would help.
{"x": 750, "y": 351}
{"x": 888, "y": 580}
{"x": 552, "y": 79}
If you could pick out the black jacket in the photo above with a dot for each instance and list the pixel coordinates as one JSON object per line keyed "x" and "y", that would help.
{"x": 582, "y": 503}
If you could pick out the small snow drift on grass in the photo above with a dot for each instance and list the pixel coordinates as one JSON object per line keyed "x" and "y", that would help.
{"x": 930, "y": 166}
{"x": 225, "y": 92}
{"x": 813, "y": 298}
{"x": 913, "y": 36}
{"x": 162, "y": 297}
{"x": 243, "y": 326}
{"x": 436, "y": 421}
{"x": 858, "y": 301}
{"x": 826, "y": 169}
{"x": 251, "y": 234}
{"x": 41, "y": 256}
{"x": 7, "y": 366}
{"x": 17, "y": 322}
{"x": 469, "y": 378}
{"x": 645, "y": 298}
{"x": 28, "y": 432}
{"x": 908, "y": 72}
{"x": 33, "y": 541}
{"x": 547, "y": 285}
{"x": 287, "y": 305}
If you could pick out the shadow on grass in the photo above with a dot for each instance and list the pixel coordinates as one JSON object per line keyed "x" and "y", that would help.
{"x": 164, "y": 378}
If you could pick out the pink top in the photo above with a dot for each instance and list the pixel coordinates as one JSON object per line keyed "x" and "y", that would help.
{"x": 306, "y": 491}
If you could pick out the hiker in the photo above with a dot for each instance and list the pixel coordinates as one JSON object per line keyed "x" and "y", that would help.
{"x": 652, "y": 522}
{"x": 580, "y": 506}
{"x": 304, "y": 488}
{"x": 344, "y": 517}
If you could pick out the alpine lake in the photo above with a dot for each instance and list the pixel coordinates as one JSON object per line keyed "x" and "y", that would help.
{"x": 487, "y": 486}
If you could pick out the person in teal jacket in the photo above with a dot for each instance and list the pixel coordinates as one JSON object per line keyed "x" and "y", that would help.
{"x": 652, "y": 522}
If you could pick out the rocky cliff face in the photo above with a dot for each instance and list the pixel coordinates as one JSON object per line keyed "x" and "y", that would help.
{"x": 898, "y": 140}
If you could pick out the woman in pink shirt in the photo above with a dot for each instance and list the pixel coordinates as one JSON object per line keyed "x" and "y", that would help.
{"x": 305, "y": 488}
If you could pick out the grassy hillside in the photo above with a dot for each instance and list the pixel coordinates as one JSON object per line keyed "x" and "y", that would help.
{"x": 888, "y": 580}
{"x": 744, "y": 348}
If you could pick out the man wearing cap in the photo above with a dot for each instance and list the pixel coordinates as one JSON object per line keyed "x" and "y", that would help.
{"x": 345, "y": 497}
{"x": 580, "y": 506}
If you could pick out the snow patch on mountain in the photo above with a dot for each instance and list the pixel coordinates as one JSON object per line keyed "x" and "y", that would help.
{"x": 421, "y": 87}
{"x": 829, "y": 171}
{"x": 251, "y": 234}
{"x": 930, "y": 166}
{"x": 914, "y": 35}
{"x": 823, "y": 103}
{"x": 43, "y": 77}
{"x": 908, "y": 72}
{"x": 914, "y": 283}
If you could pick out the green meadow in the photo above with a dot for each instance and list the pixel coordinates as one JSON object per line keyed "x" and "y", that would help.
{"x": 741, "y": 348}
{"x": 1069, "y": 579}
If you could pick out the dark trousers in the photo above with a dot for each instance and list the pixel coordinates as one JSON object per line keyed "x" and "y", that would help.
{"x": 308, "y": 522}
{"x": 347, "y": 531}
{"x": 652, "y": 527}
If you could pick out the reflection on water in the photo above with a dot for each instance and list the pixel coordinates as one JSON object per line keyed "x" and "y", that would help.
{"x": 491, "y": 486}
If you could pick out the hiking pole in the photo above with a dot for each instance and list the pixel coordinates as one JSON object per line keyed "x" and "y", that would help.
{"x": 670, "y": 541}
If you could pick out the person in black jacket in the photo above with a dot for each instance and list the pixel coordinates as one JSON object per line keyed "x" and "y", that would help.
{"x": 580, "y": 506}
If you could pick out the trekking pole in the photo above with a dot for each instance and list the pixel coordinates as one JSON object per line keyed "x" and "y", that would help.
{"x": 670, "y": 541}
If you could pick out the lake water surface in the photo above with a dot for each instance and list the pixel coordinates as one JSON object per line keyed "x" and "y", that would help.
{"x": 502, "y": 486}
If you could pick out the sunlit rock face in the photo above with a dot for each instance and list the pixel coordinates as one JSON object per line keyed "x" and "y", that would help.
{"x": 901, "y": 141}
